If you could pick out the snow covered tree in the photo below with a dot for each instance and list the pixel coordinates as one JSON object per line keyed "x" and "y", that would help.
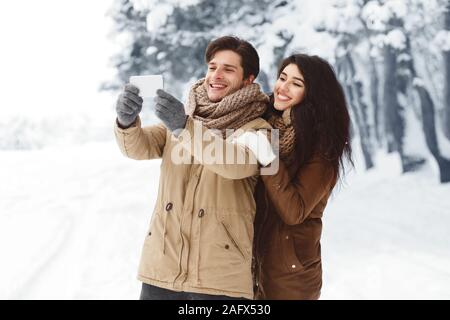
{"x": 353, "y": 90}
{"x": 170, "y": 36}
{"x": 384, "y": 19}
{"x": 130, "y": 24}
{"x": 387, "y": 53}
{"x": 347, "y": 28}
{"x": 399, "y": 22}
{"x": 445, "y": 34}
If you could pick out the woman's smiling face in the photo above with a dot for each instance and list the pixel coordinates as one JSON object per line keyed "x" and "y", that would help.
{"x": 289, "y": 89}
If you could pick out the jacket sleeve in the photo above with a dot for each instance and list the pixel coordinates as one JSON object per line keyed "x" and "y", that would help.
{"x": 295, "y": 199}
{"x": 229, "y": 160}
{"x": 140, "y": 143}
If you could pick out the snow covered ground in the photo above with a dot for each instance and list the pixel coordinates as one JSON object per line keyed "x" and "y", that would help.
{"x": 386, "y": 236}
{"x": 73, "y": 219}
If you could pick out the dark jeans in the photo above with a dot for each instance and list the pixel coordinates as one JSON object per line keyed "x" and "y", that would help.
{"x": 150, "y": 292}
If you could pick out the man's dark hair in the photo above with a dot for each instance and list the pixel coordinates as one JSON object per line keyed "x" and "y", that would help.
{"x": 248, "y": 54}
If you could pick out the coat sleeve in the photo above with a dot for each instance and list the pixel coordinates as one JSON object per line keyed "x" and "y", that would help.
{"x": 229, "y": 160}
{"x": 295, "y": 199}
{"x": 140, "y": 143}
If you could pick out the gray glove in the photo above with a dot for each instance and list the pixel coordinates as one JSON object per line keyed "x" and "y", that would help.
{"x": 171, "y": 111}
{"x": 128, "y": 106}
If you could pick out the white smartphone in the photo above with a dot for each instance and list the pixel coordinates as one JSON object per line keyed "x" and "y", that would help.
{"x": 147, "y": 84}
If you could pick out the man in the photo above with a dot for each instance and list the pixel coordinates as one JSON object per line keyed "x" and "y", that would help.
{"x": 199, "y": 242}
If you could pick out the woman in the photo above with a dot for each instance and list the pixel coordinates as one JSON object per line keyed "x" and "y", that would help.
{"x": 308, "y": 108}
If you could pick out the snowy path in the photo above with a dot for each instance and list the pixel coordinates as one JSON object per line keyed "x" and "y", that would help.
{"x": 72, "y": 222}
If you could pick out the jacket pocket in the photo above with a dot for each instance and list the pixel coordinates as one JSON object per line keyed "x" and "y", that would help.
{"x": 233, "y": 240}
{"x": 157, "y": 233}
{"x": 306, "y": 252}
{"x": 154, "y": 236}
{"x": 289, "y": 256}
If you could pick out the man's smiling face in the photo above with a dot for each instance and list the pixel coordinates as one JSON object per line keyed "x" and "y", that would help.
{"x": 225, "y": 75}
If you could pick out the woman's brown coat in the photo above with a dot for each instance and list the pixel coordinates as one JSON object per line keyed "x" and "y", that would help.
{"x": 288, "y": 229}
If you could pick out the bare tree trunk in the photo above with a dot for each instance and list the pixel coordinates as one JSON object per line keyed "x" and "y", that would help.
{"x": 394, "y": 123}
{"x": 446, "y": 117}
{"x": 429, "y": 129}
{"x": 428, "y": 123}
{"x": 374, "y": 85}
{"x": 360, "y": 111}
{"x": 368, "y": 162}
{"x": 397, "y": 80}
{"x": 374, "y": 82}
{"x": 353, "y": 92}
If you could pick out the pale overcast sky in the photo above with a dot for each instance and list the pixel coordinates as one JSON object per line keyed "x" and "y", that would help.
{"x": 54, "y": 55}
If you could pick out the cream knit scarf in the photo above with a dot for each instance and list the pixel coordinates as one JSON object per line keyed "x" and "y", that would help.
{"x": 232, "y": 112}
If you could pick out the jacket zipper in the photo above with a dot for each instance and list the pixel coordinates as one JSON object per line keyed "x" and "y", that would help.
{"x": 181, "y": 224}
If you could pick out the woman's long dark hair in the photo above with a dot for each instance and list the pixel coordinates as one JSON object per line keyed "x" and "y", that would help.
{"x": 321, "y": 121}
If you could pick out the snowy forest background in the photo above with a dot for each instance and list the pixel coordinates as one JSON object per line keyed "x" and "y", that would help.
{"x": 71, "y": 220}
{"x": 389, "y": 56}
